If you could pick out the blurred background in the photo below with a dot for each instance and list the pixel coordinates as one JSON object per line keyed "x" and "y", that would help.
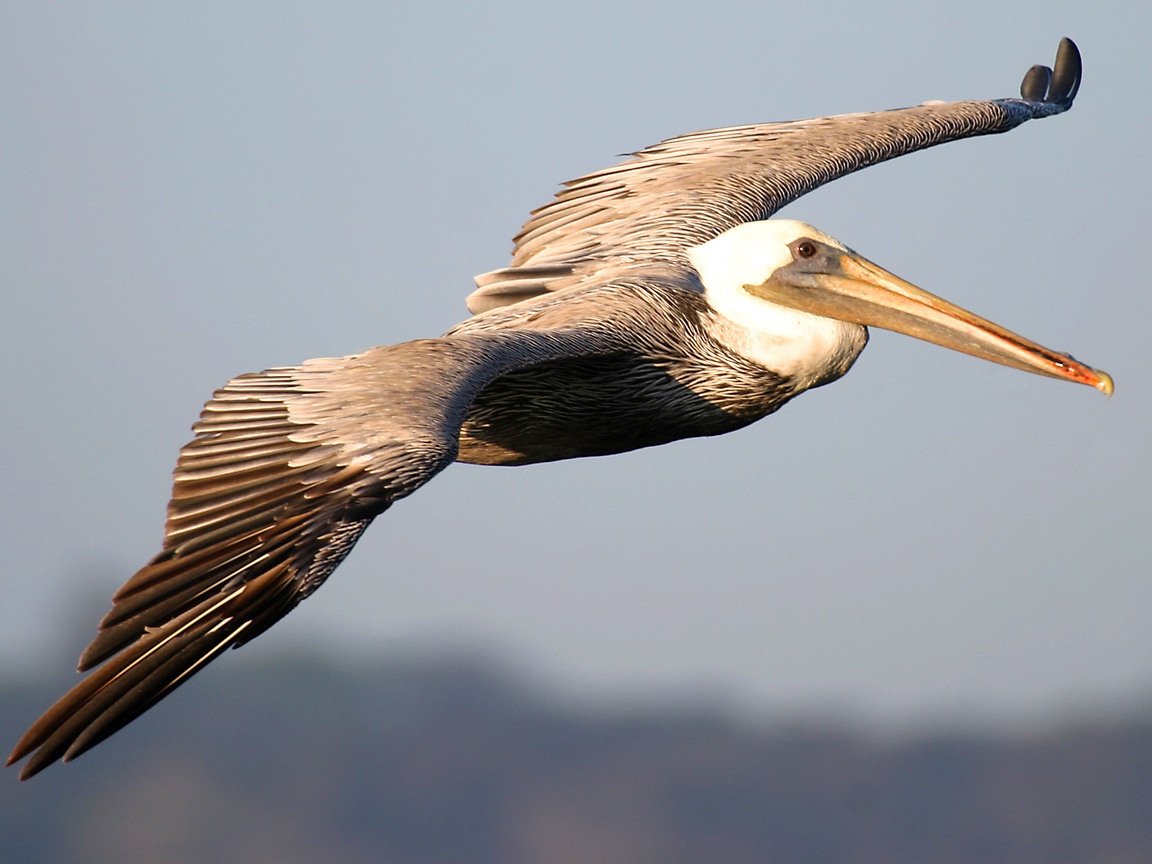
{"x": 927, "y": 576}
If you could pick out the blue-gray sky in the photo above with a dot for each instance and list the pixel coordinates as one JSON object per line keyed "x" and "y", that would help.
{"x": 194, "y": 190}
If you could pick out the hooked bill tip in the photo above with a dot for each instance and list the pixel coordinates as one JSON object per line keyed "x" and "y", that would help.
{"x": 1104, "y": 385}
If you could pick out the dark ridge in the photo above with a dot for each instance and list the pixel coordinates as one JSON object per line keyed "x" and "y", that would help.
{"x": 451, "y": 762}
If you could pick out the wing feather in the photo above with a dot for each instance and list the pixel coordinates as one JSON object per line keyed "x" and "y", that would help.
{"x": 686, "y": 190}
{"x": 287, "y": 469}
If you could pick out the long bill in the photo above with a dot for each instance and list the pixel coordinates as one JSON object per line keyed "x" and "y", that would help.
{"x": 858, "y": 291}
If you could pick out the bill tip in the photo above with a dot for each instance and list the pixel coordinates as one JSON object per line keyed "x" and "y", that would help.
{"x": 1104, "y": 384}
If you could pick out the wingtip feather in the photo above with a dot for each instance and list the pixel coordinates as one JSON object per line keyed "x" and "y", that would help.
{"x": 1057, "y": 85}
{"x": 1067, "y": 73}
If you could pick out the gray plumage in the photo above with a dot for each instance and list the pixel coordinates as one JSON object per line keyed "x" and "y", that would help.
{"x": 598, "y": 338}
{"x": 688, "y": 189}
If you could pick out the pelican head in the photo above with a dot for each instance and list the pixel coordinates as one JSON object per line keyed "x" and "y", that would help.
{"x": 798, "y": 301}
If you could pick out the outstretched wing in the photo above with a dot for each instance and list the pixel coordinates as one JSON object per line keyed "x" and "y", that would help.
{"x": 689, "y": 189}
{"x": 287, "y": 469}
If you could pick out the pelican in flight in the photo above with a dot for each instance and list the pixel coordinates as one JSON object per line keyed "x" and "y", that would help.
{"x": 650, "y": 301}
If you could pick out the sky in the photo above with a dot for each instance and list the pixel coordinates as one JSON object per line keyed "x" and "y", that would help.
{"x": 189, "y": 191}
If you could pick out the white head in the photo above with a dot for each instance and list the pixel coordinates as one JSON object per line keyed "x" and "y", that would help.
{"x": 796, "y": 301}
{"x": 791, "y": 342}
{"x": 751, "y": 252}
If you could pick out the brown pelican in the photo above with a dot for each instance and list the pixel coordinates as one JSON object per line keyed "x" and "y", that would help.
{"x": 651, "y": 301}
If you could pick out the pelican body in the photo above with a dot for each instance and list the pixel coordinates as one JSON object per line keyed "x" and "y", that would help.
{"x": 648, "y": 302}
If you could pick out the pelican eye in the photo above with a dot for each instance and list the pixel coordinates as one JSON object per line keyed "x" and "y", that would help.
{"x": 805, "y": 249}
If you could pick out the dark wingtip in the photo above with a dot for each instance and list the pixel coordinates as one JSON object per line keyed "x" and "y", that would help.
{"x": 1034, "y": 87}
{"x": 1066, "y": 76}
{"x": 1058, "y": 85}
